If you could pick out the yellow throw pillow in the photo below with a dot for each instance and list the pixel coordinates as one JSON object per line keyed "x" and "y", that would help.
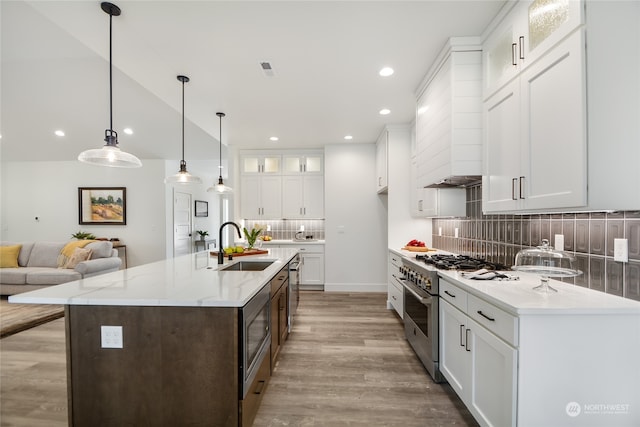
{"x": 79, "y": 255}
{"x": 9, "y": 256}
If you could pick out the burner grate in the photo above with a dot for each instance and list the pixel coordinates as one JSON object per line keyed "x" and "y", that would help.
{"x": 460, "y": 262}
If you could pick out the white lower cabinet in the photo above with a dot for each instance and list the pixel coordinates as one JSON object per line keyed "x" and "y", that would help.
{"x": 395, "y": 291}
{"x": 478, "y": 364}
{"x": 311, "y": 264}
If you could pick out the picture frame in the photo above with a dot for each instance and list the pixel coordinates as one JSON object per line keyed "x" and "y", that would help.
{"x": 102, "y": 205}
{"x": 201, "y": 208}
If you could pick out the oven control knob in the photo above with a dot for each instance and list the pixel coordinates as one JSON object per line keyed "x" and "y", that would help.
{"x": 427, "y": 282}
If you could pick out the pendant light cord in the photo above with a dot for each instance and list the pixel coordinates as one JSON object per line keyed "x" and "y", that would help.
{"x": 110, "y": 75}
{"x": 220, "y": 140}
{"x": 183, "y": 80}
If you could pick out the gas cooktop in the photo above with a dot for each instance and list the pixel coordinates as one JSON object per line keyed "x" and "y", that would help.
{"x": 459, "y": 262}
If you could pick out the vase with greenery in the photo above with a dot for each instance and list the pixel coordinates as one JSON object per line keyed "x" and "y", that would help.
{"x": 81, "y": 235}
{"x": 251, "y": 236}
{"x": 203, "y": 234}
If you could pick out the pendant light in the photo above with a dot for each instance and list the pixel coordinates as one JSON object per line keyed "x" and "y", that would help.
{"x": 110, "y": 155}
{"x": 220, "y": 188}
{"x": 183, "y": 177}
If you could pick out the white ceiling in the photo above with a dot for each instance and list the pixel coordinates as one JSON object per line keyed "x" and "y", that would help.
{"x": 326, "y": 56}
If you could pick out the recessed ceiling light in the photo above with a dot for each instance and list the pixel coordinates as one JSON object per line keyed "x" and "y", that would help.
{"x": 128, "y": 131}
{"x": 59, "y": 132}
{"x": 385, "y": 111}
{"x": 273, "y": 138}
{"x": 386, "y": 72}
{"x": 348, "y": 137}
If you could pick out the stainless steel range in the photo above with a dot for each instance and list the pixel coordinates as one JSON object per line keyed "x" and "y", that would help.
{"x": 420, "y": 282}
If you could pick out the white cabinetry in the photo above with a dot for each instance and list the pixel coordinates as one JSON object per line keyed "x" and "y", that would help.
{"x": 303, "y": 163}
{"x": 535, "y": 132}
{"x": 395, "y": 291}
{"x": 260, "y": 163}
{"x": 480, "y": 366}
{"x": 283, "y": 184}
{"x": 449, "y": 116}
{"x": 261, "y": 196}
{"x": 525, "y": 34}
{"x": 382, "y": 158}
{"x": 441, "y": 202}
{"x": 311, "y": 264}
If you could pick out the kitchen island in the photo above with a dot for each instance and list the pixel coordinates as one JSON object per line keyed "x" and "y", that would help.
{"x": 173, "y": 352}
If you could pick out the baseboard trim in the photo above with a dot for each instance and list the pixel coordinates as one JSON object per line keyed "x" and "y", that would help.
{"x": 355, "y": 287}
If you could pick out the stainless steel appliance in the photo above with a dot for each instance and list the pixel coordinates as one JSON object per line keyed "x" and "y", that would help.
{"x": 421, "y": 305}
{"x": 255, "y": 337}
{"x": 294, "y": 288}
{"x": 420, "y": 281}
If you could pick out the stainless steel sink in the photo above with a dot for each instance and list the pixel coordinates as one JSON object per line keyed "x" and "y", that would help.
{"x": 247, "y": 266}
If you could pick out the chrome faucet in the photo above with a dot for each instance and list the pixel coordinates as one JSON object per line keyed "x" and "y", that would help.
{"x": 221, "y": 251}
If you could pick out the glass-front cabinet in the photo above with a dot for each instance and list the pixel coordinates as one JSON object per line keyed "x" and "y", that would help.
{"x": 294, "y": 164}
{"x": 268, "y": 163}
{"x": 529, "y": 30}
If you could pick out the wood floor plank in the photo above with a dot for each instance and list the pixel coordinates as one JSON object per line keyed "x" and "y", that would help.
{"x": 346, "y": 363}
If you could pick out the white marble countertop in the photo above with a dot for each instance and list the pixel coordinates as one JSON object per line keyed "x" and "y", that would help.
{"x": 519, "y": 298}
{"x": 293, "y": 242}
{"x": 189, "y": 280}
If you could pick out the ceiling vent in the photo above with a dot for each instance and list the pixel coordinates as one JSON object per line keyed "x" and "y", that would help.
{"x": 267, "y": 69}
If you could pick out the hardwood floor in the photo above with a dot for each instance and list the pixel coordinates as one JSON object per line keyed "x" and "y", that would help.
{"x": 346, "y": 364}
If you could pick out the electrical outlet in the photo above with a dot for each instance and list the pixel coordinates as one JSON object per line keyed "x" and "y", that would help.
{"x": 559, "y": 243}
{"x": 111, "y": 336}
{"x": 455, "y": 232}
{"x": 621, "y": 250}
{"x": 439, "y": 231}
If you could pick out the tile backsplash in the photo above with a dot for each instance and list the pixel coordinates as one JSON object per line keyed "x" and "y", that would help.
{"x": 286, "y": 229}
{"x": 589, "y": 236}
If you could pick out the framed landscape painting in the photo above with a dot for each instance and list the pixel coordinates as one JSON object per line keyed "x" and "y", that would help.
{"x": 102, "y": 205}
{"x": 202, "y": 208}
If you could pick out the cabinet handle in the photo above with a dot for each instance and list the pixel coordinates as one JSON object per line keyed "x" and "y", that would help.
{"x": 485, "y": 316}
{"x": 394, "y": 297}
{"x": 260, "y": 387}
{"x": 419, "y": 205}
{"x": 521, "y": 43}
{"x": 379, "y": 181}
{"x": 304, "y": 168}
{"x": 300, "y": 211}
{"x": 461, "y": 341}
{"x": 305, "y": 210}
{"x": 521, "y": 179}
{"x": 450, "y": 294}
{"x": 513, "y": 189}
{"x": 466, "y": 340}
{"x": 513, "y": 54}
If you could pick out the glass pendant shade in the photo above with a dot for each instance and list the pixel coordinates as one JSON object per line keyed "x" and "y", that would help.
{"x": 220, "y": 188}
{"x": 110, "y": 155}
{"x": 183, "y": 176}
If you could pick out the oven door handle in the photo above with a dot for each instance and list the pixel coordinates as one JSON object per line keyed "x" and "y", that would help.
{"x": 423, "y": 300}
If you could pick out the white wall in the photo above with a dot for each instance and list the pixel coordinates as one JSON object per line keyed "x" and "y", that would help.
{"x": 402, "y": 227}
{"x": 49, "y": 191}
{"x": 356, "y": 221}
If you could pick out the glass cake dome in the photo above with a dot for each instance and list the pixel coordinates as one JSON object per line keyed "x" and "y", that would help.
{"x": 547, "y": 262}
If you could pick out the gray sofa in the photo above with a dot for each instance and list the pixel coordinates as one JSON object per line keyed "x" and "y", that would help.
{"x": 38, "y": 266}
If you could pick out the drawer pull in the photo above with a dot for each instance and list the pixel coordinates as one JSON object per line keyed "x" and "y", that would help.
{"x": 259, "y": 387}
{"x": 485, "y": 316}
{"x": 450, "y": 294}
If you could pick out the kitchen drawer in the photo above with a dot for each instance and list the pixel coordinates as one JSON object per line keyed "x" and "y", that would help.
{"x": 395, "y": 259}
{"x": 396, "y": 298}
{"x": 279, "y": 280}
{"x": 453, "y": 294}
{"x": 494, "y": 319}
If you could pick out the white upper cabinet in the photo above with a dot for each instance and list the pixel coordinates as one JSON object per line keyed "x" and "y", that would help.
{"x": 535, "y": 127}
{"x": 449, "y": 116}
{"x": 261, "y": 196}
{"x": 260, "y": 163}
{"x": 303, "y": 196}
{"x": 529, "y": 30}
{"x": 296, "y": 164}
